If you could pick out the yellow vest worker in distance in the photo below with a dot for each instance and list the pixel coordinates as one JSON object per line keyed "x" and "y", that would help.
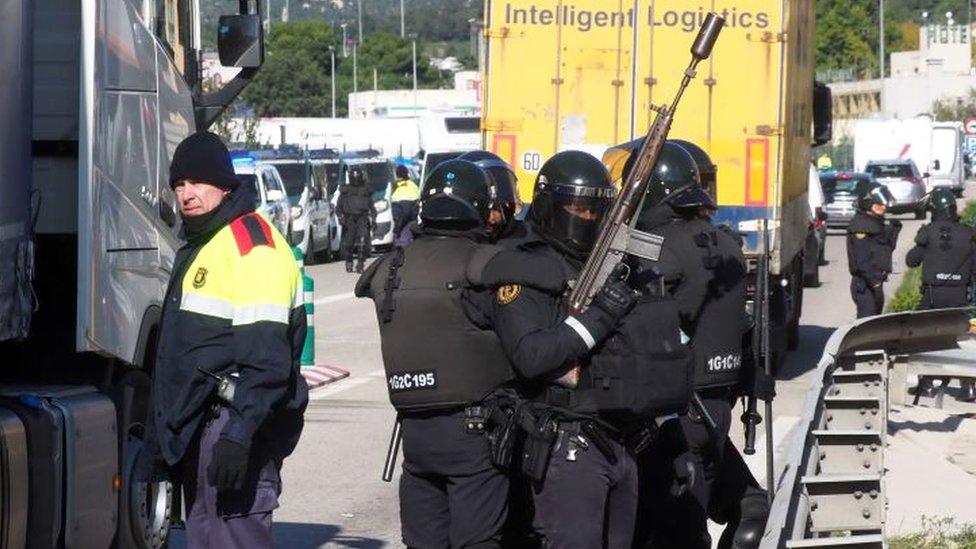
{"x": 405, "y": 196}
{"x": 233, "y": 309}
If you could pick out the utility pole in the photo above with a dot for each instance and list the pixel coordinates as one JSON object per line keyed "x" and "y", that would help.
{"x": 402, "y": 26}
{"x": 414, "y": 42}
{"x": 359, "y": 5}
{"x": 332, "y": 55}
{"x": 881, "y": 40}
{"x": 355, "y": 70}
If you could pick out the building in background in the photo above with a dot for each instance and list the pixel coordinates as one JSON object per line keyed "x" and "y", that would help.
{"x": 463, "y": 100}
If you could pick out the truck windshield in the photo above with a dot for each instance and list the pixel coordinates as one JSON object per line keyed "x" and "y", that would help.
{"x": 295, "y": 176}
{"x": 890, "y": 170}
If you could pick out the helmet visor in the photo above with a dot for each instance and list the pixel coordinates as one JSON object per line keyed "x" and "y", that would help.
{"x": 578, "y": 213}
{"x": 881, "y": 195}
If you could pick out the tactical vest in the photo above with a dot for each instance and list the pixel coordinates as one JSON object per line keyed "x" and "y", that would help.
{"x": 880, "y": 237}
{"x": 434, "y": 357}
{"x": 716, "y": 340}
{"x": 948, "y": 254}
{"x": 641, "y": 371}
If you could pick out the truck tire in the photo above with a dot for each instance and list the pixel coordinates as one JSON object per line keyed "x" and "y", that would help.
{"x": 144, "y": 507}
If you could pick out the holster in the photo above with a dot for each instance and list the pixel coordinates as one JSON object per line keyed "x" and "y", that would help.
{"x": 540, "y": 429}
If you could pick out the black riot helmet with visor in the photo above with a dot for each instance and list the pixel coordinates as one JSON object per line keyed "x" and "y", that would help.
{"x": 573, "y": 194}
{"x": 870, "y": 193}
{"x": 456, "y": 197}
{"x": 675, "y": 181}
{"x": 942, "y": 203}
{"x": 504, "y": 185}
{"x": 707, "y": 170}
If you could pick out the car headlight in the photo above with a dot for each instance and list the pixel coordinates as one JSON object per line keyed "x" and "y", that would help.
{"x": 382, "y": 206}
{"x": 296, "y": 211}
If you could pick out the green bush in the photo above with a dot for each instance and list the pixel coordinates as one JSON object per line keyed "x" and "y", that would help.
{"x": 909, "y": 293}
{"x": 968, "y": 213}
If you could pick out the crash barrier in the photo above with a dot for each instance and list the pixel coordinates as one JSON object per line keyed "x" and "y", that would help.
{"x": 831, "y": 492}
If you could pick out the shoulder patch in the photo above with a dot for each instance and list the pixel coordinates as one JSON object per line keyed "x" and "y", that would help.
{"x": 859, "y": 236}
{"x": 251, "y": 230}
{"x": 200, "y": 278}
{"x": 507, "y": 294}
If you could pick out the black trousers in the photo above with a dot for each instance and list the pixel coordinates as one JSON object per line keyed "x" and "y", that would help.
{"x": 451, "y": 496}
{"x": 944, "y": 297}
{"x": 585, "y": 501}
{"x": 355, "y": 237}
{"x": 868, "y": 300}
{"x": 681, "y": 522}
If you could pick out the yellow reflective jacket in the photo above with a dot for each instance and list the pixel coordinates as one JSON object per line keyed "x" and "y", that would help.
{"x": 405, "y": 189}
{"x": 234, "y": 305}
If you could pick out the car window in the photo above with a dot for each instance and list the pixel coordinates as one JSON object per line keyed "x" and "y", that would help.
{"x": 251, "y": 180}
{"x": 274, "y": 182}
{"x": 891, "y": 170}
{"x": 295, "y": 177}
{"x": 379, "y": 175}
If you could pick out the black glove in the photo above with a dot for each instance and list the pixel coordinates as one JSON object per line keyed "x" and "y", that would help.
{"x": 756, "y": 383}
{"x": 228, "y": 465}
{"x": 684, "y": 474}
{"x": 895, "y": 224}
{"x": 610, "y": 305}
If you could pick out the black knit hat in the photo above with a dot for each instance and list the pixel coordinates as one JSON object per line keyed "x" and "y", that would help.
{"x": 203, "y": 156}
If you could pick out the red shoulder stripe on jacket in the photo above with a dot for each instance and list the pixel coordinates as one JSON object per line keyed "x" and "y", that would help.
{"x": 251, "y": 230}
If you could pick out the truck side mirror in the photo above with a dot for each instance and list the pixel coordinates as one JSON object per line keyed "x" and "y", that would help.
{"x": 823, "y": 116}
{"x": 239, "y": 41}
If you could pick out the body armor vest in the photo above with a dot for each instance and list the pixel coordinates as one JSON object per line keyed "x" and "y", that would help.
{"x": 434, "y": 357}
{"x": 948, "y": 254}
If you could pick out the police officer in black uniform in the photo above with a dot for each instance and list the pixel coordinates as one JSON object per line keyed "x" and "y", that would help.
{"x": 870, "y": 243}
{"x": 444, "y": 374}
{"x": 356, "y": 213}
{"x": 946, "y": 250}
{"x": 506, "y": 202}
{"x": 703, "y": 267}
{"x": 580, "y": 448}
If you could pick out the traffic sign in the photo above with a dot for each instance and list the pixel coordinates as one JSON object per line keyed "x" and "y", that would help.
{"x": 970, "y": 125}
{"x": 971, "y": 144}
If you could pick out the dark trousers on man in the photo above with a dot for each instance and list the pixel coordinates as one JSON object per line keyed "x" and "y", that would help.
{"x": 228, "y": 520}
{"x": 681, "y": 522}
{"x": 586, "y": 501}
{"x": 451, "y": 495}
{"x": 868, "y": 299}
{"x": 355, "y": 238}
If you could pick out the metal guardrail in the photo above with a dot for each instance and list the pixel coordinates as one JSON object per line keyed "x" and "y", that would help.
{"x": 831, "y": 491}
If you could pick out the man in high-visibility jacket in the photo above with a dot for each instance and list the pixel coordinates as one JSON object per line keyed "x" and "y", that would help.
{"x": 406, "y": 195}
{"x": 233, "y": 310}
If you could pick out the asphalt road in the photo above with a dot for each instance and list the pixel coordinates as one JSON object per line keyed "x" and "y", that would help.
{"x": 333, "y": 495}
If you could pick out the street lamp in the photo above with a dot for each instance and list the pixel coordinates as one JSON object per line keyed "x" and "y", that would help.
{"x": 359, "y": 6}
{"x": 402, "y": 27}
{"x": 332, "y": 79}
{"x": 881, "y": 36}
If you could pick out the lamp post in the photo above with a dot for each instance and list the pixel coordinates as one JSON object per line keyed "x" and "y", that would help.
{"x": 414, "y": 43}
{"x": 332, "y": 78}
{"x": 345, "y": 52}
{"x": 359, "y": 7}
{"x": 355, "y": 70}
{"x": 881, "y": 38}
{"x": 402, "y": 26}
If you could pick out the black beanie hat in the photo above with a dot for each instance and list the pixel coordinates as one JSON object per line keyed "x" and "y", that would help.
{"x": 203, "y": 156}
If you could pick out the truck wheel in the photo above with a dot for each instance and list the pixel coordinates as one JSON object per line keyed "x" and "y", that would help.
{"x": 144, "y": 507}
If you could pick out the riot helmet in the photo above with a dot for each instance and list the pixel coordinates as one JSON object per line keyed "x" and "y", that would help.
{"x": 357, "y": 176}
{"x": 870, "y": 193}
{"x": 504, "y": 186}
{"x": 675, "y": 181}
{"x": 942, "y": 202}
{"x": 573, "y": 194}
{"x": 456, "y": 197}
{"x": 707, "y": 170}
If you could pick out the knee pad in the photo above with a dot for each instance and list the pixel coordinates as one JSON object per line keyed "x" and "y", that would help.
{"x": 747, "y": 532}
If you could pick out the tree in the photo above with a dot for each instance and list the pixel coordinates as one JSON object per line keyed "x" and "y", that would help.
{"x": 843, "y": 37}
{"x": 955, "y": 109}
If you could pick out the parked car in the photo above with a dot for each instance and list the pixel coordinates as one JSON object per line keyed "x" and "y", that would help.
{"x": 269, "y": 192}
{"x": 311, "y": 211}
{"x": 325, "y": 176}
{"x": 813, "y": 253}
{"x": 380, "y": 175}
{"x": 840, "y": 195}
{"x": 906, "y": 184}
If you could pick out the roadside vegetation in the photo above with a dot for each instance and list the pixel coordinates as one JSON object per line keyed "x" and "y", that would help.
{"x": 938, "y": 533}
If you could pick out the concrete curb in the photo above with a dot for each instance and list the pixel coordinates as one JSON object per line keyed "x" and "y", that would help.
{"x": 318, "y": 376}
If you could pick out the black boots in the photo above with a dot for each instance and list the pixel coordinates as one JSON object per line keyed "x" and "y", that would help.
{"x": 359, "y": 267}
{"x": 348, "y": 266}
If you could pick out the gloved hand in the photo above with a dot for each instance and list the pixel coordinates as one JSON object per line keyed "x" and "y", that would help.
{"x": 922, "y": 238}
{"x": 615, "y": 298}
{"x": 671, "y": 439}
{"x": 756, "y": 383}
{"x": 684, "y": 474}
{"x": 228, "y": 465}
{"x": 610, "y": 305}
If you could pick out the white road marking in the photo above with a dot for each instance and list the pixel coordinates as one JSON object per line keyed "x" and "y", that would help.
{"x": 345, "y": 384}
{"x": 334, "y": 298}
{"x": 782, "y": 427}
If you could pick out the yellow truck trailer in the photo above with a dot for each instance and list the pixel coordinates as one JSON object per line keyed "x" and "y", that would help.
{"x": 581, "y": 74}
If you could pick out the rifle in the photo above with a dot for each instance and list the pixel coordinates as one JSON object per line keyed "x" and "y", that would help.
{"x": 615, "y": 239}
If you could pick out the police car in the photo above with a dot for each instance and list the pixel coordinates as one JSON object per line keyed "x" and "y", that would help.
{"x": 270, "y": 198}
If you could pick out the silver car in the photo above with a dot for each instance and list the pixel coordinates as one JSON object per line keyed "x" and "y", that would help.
{"x": 905, "y": 182}
{"x": 840, "y": 195}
